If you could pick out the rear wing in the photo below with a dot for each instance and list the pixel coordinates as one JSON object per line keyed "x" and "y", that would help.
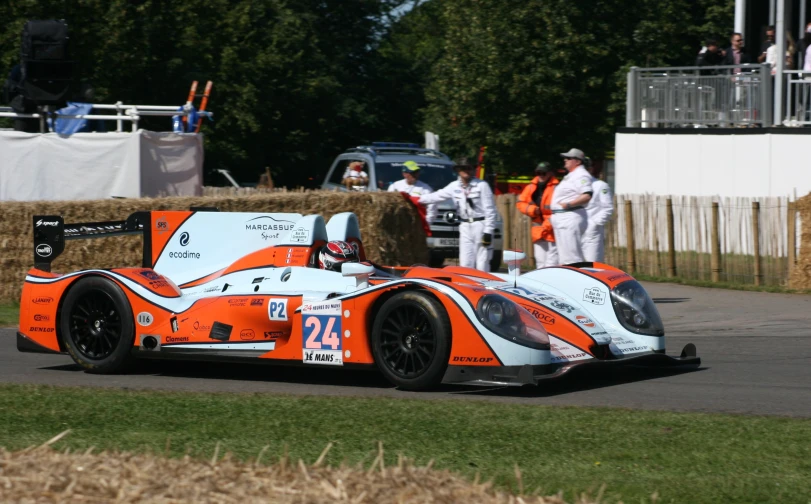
{"x": 50, "y": 233}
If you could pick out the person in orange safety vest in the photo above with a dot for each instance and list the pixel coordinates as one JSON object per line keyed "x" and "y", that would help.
{"x": 535, "y": 201}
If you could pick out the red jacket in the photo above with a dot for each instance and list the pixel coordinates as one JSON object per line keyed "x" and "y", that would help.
{"x": 540, "y": 215}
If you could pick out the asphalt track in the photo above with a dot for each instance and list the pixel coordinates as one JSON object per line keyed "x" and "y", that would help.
{"x": 755, "y": 349}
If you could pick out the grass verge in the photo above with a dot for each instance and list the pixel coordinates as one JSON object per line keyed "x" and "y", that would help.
{"x": 9, "y": 315}
{"x": 681, "y": 457}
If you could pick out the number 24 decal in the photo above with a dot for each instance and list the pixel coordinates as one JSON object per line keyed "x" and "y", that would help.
{"x": 329, "y": 338}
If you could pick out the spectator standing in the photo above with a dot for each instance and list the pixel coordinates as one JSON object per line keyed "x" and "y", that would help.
{"x": 599, "y": 211}
{"x": 711, "y": 56}
{"x": 735, "y": 55}
{"x": 474, "y": 204}
{"x": 355, "y": 176}
{"x": 569, "y": 218}
{"x": 414, "y": 188}
{"x": 766, "y": 44}
{"x": 535, "y": 201}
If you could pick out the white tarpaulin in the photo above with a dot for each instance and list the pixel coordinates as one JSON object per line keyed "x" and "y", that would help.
{"x": 84, "y": 166}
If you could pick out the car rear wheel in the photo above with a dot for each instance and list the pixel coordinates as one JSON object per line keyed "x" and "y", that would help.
{"x": 97, "y": 325}
{"x": 411, "y": 340}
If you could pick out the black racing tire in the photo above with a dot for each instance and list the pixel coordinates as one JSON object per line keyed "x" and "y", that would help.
{"x": 411, "y": 340}
{"x": 495, "y": 262}
{"x": 97, "y": 326}
{"x": 436, "y": 259}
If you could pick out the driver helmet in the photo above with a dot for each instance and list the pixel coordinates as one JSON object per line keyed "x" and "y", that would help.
{"x": 335, "y": 253}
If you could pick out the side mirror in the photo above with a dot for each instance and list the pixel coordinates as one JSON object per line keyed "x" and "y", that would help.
{"x": 360, "y": 271}
{"x": 513, "y": 259}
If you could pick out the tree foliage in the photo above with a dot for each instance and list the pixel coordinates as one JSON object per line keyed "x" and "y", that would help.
{"x": 297, "y": 82}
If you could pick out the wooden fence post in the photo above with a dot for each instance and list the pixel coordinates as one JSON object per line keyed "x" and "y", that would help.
{"x": 715, "y": 258}
{"x": 792, "y": 237}
{"x": 756, "y": 241}
{"x": 629, "y": 235}
{"x": 671, "y": 245}
{"x": 508, "y": 226}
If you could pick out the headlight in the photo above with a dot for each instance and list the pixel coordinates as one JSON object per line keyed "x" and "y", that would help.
{"x": 635, "y": 309}
{"x": 511, "y": 322}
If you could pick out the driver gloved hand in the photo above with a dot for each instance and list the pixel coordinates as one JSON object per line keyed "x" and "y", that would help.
{"x": 487, "y": 239}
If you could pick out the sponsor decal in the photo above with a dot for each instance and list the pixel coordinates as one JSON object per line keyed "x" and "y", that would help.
{"x": 247, "y": 334}
{"x": 277, "y": 309}
{"x": 211, "y": 289}
{"x": 155, "y": 280}
{"x": 273, "y": 334}
{"x": 617, "y": 277}
{"x": 201, "y": 327}
{"x": 635, "y": 349}
{"x": 184, "y": 238}
{"x": 556, "y": 358}
{"x": 321, "y": 333}
{"x": 237, "y": 302}
{"x": 268, "y": 223}
{"x": 184, "y": 255}
{"x": 472, "y": 359}
{"x": 161, "y": 225}
{"x": 584, "y": 321}
{"x": 594, "y": 295}
{"x": 44, "y": 250}
{"x": 542, "y": 316}
{"x": 176, "y": 339}
{"x": 560, "y": 305}
{"x": 257, "y": 301}
{"x": 42, "y": 318}
{"x": 300, "y": 235}
{"x": 44, "y": 223}
{"x": 40, "y": 329}
{"x": 42, "y": 300}
{"x": 145, "y": 319}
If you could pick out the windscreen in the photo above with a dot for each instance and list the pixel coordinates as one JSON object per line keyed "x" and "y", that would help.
{"x": 435, "y": 175}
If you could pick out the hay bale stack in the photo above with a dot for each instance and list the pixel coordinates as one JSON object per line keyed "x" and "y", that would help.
{"x": 390, "y": 226}
{"x": 800, "y": 277}
{"x": 45, "y": 475}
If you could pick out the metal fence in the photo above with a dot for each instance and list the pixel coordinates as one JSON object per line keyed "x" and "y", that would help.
{"x": 798, "y": 98}
{"x": 721, "y": 96}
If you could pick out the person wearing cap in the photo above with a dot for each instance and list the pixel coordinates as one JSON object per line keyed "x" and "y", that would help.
{"x": 476, "y": 210}
{"x": 569, "y": 217}
{"x": 355, "y": 176}
{"x": 599, "y": 211}
{"x": 413, "y": 187}
{"x": 535, "y": 201}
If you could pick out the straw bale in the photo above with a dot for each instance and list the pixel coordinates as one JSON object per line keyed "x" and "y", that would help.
{"x": 390, "y": 227}
{"x": 800, "y": 277}
{"x": 42, "y": 474}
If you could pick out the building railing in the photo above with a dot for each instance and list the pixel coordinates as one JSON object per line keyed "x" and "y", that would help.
{"x": 798, "y": 98}
{"x": 131, "y": 113}
{"x": 694, "y": 97}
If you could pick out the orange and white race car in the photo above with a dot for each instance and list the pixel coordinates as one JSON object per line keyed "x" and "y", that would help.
{"x": 227, "y": 285}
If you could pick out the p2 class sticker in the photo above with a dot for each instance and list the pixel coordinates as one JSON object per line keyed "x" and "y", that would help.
{"x": 594, "y": 296}
{"x": 277, "y": 309}
{"x": 322, "y": 338}
{"x": 145, "y": 319}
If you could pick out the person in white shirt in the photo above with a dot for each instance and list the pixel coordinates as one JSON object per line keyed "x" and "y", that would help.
{"x": 355, "y": 176}
{"x": 473, "y": 200}
{"x": 569, "y": 202}
{"x": 411, "y": 185}
{"x": 599, "y": 211}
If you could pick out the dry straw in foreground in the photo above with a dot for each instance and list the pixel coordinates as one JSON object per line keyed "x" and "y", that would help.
{"x": 43, "y": 475}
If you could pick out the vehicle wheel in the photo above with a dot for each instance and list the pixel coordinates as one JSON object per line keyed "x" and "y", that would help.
{"x": 97, "y": 325}
{"x": 436, "y": 259}
{"x": 495, "y": 262}
{"x": 411, "y": 340}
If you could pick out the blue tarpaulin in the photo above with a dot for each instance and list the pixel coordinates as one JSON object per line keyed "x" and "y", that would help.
{"x": 71, "y": 126}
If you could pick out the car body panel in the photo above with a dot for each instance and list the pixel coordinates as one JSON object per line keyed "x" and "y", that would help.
{"x": 270, "y": 302}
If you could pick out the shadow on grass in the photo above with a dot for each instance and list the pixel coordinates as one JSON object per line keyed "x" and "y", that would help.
{"x": 574, "y": 381}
